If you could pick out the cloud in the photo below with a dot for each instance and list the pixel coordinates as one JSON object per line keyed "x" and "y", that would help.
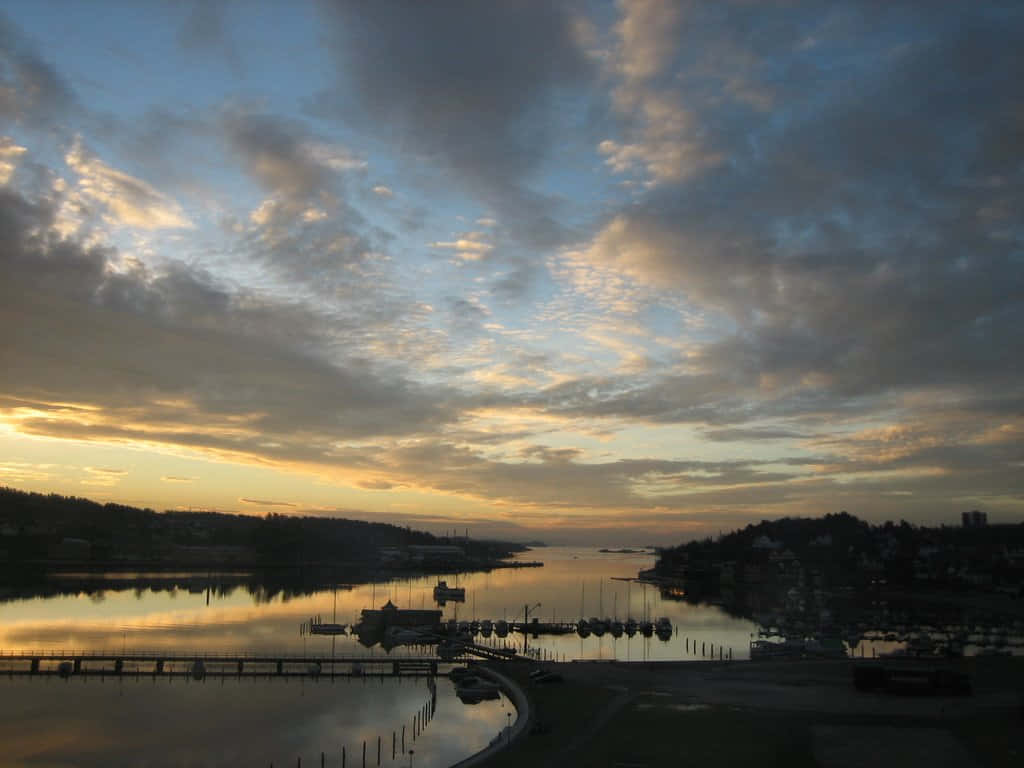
{"x": 469, "y": 247}
{"x": 128, "y": 201}
{"x": 173, "y": 358}
{"x": 31, "y": 91}
{"x": 104, "y": 477}
{"x": 848, "y": 247}
{"x": 741, "y": 434}
{"x": 375, "y": 485}
{"x": 266, "y": 503}
{"x": 473, "y": 89}
{"x": 381, "y": 191}
{"x": 9, "y": 156}
{"x": 665, "y": 137}
{"x": 178, "y": 479}
{"x": 305, "y": 230}
{"x": 289, "y": 161}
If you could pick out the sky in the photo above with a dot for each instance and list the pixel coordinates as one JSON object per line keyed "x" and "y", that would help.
{"x": 629, "y": 271}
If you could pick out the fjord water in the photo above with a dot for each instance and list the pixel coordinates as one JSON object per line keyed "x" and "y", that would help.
{"x": 257, "y": 721}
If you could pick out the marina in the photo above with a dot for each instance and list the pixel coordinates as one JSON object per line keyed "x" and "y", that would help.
{"x": 368, "y": 652}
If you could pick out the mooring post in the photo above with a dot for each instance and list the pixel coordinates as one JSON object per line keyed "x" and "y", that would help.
{"x": 364, "y": 753}
{"x": 393, "y": 742}
{"x": 321, "y": 760}
{"x": 378, "y": 750}
{"x": 343, "y": 757}
{"x": 403, "y": 739}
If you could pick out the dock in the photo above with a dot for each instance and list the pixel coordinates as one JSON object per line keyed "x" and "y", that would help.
{"x": 197, "y": 666}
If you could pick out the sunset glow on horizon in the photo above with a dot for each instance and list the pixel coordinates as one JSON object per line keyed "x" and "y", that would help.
{"x": 630, "y": 271}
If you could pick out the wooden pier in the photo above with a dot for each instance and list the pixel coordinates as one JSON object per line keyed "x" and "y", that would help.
{"x": 198, "y": 666}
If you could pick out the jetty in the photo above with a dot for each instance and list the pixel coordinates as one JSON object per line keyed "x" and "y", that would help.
{"x": 199, "y": 665}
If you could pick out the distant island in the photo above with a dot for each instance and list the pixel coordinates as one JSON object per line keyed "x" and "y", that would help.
{"x": 60, "y": 532}
{"x": 624, "y": 551}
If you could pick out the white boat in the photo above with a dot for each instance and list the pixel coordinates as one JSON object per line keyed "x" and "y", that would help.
{"x": 328, "y": 628}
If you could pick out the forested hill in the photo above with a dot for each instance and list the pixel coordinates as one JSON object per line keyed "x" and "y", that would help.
{"x": 35, "y": 526}
{"x": 845, "y": 542}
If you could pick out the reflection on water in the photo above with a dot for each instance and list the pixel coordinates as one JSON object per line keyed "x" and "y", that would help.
{"x": 796, "y": 619}
{"x": 254, "y": 722}
{"x": 170, "y": 722}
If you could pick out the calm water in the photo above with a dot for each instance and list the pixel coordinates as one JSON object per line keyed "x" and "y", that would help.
{"x": 86, "y": 722}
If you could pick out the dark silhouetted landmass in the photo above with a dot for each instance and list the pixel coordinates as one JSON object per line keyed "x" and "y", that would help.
{"x": 62, "y": 530}
{"x": 839, "y": 549}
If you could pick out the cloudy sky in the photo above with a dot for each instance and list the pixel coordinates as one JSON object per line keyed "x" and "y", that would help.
{"x": 602, "y": 271}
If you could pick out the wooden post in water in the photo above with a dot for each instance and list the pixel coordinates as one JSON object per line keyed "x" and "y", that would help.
{"x": 364, "y": 753}
{"x": 403, "y": 739}
{"x": 343, "y": 757}
{"x": 392, "y": 745}
{"x": 321, "y": 760}
{"x": 378, "y": 750}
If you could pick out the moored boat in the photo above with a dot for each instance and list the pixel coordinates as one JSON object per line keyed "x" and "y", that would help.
{"x": 443, "y": 592}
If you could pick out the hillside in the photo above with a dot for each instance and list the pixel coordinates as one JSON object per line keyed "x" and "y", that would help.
{"x": 38, "y": 527}
{"x": 841, "y": 549}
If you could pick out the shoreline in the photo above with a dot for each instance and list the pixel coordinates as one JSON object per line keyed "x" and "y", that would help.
{"x": 518, "y": 698}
